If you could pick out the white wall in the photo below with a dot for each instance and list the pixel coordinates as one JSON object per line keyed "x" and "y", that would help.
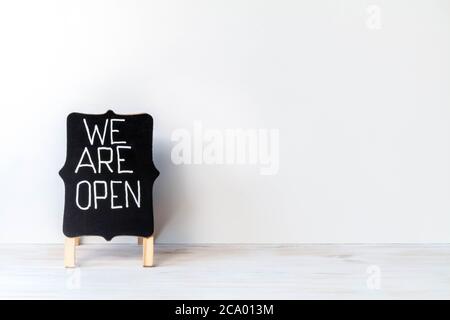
{"x": 363, "y": 109}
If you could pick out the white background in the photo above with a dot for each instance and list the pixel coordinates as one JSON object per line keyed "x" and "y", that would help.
{"x": 363, "y": 114}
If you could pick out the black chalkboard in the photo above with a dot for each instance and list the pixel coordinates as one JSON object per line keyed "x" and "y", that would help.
{"x": 109, "y": 175}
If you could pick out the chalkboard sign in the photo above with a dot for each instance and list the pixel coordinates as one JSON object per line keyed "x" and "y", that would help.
{"x": 109, "y": 175}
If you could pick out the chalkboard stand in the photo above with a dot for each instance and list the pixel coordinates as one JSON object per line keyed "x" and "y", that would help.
{"x": 147, "y": 250}
{"x": 129, "y": 210}
{"x": 69, "y": 252}
{"x": 71, "y": 243}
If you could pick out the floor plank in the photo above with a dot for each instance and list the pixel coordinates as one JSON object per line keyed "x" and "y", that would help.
{"x": 114, "y": 271}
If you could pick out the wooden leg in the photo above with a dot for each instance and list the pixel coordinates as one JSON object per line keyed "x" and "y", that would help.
{"x": 69, "y": 252}
{"x": 147, "y": 249}
{"x": 139, "y": 240}
{"x": 77, "y": 241}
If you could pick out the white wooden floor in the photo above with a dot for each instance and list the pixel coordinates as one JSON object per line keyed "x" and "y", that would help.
{"x": 112, "y": 271}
